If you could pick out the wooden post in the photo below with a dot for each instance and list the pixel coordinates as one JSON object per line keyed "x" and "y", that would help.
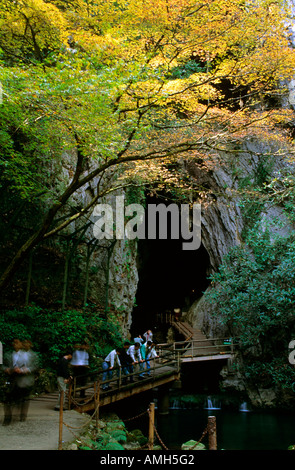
{"x": 178, "y": 362}
{"x": 61, "y": 411}
{"x": 212, "y": 432}
{"x": 154, "y": 366}
{"x": 119, "y": 377}
{"x": 231, "y": 345}
{"x": 151, "y": 426}
{"x": 70, "y": 394}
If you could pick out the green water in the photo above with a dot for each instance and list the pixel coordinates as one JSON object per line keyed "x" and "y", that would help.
{"x": 235, "y": 430}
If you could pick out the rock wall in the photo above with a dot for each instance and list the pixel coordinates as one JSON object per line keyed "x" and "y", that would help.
{"x": 113, "y": 273}
{"x": 222, "y": 217}
{"x": 223, "y": 224}
{"x": 222, "y": 228}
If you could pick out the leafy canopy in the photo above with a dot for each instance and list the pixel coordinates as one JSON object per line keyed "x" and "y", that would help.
{"x": 117, "y": 84}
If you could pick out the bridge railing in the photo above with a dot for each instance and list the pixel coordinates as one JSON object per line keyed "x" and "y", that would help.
{"x": 202, "y": 347}
{"x": 119, "y": 378}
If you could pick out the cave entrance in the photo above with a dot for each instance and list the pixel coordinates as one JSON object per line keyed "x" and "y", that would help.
{"x": 169, "y": 277}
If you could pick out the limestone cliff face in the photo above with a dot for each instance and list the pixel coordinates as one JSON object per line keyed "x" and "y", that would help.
{"x": 112, "y": 270}
{"x": 113, "y": 274}
{"x": 222, "y": 217}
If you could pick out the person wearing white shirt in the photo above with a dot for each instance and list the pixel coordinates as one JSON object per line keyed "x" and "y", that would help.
{"x": 148, "y": 335}
{"x": 111, "y": 360}
{"x": 134, "y": 353}
{"x": 80, "y": 365}
{"x": 150, "y": 353}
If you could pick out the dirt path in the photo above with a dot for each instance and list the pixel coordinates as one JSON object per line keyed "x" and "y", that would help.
{"x": 41, "y": 429}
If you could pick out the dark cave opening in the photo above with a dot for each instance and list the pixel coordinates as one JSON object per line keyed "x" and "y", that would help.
{"x": 169, "y": 277}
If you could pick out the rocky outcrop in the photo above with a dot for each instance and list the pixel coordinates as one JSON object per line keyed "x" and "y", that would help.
{"x": 222, "y": 216}
{"x": 112, "y": 270}
{"x": 113, "y": 273}
{"x": 223, "y": 225}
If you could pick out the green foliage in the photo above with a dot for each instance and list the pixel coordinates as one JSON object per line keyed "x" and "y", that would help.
{"x": 110, "y": 436}
{"x": 136, "y": 435}
{"x": 186, "y": 70}
{"x": 276, "y": 371}
{"x": 135, "y": 195}
{"x": 52, "y": 333}
{"x": 253, "y": 294}
{"x": 114, "y": 446}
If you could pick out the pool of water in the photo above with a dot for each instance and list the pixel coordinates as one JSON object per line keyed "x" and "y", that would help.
{"x": 236, "y": 430}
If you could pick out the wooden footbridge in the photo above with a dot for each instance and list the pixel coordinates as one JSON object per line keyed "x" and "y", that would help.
{"x": 164, "y": 370}
{"x": 197, "y": 347}
{"x": 194, "y": 348}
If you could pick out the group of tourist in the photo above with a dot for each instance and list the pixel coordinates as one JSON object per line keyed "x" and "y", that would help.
{"x": 21, "y": 365}
{"x": 139, "y": 353}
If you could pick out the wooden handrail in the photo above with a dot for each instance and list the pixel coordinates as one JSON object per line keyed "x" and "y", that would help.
{"x": 194, "y": 340}
{"x": 73, "y": 389}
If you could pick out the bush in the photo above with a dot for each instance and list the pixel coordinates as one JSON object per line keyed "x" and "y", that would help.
{"x": 253, "y": 295}
{"x": 52, "y": 332}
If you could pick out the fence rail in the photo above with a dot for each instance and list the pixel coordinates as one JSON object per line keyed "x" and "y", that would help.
{"x": 201, "y": 347}
{"x": 119, "y": 379}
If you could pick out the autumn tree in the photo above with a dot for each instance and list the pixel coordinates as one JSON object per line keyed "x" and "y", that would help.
{"x": 123, "y": 84}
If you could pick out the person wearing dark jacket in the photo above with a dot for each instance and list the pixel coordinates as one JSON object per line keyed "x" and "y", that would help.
{"x": 63, "y": 377}
{"x": 126, "y": 363}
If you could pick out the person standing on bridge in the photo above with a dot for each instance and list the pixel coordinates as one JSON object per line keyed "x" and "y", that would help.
{"x": 139, "y": 340}
{"x": 177, "y": 314}
{"x": 108, "y": 364}
{"x": 134, "y": 353}
{"x": 126, "y": 362}
{"x": 148, "y": 335}
{"x": 148, "y": 351}
{"x": 80, "y": 365}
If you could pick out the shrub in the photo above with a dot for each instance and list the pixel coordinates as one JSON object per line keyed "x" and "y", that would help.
{"x": 253, "y": 295}
{"x": 53, "y": 332}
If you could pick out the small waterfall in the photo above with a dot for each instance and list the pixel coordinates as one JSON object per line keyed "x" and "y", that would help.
{"x": 212, "y": 404}
{"x": 244, "y": 407}
{"x": 175, "y": 405}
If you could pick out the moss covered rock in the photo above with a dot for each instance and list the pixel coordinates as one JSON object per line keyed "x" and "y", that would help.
{"x": 192, "y": 445}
